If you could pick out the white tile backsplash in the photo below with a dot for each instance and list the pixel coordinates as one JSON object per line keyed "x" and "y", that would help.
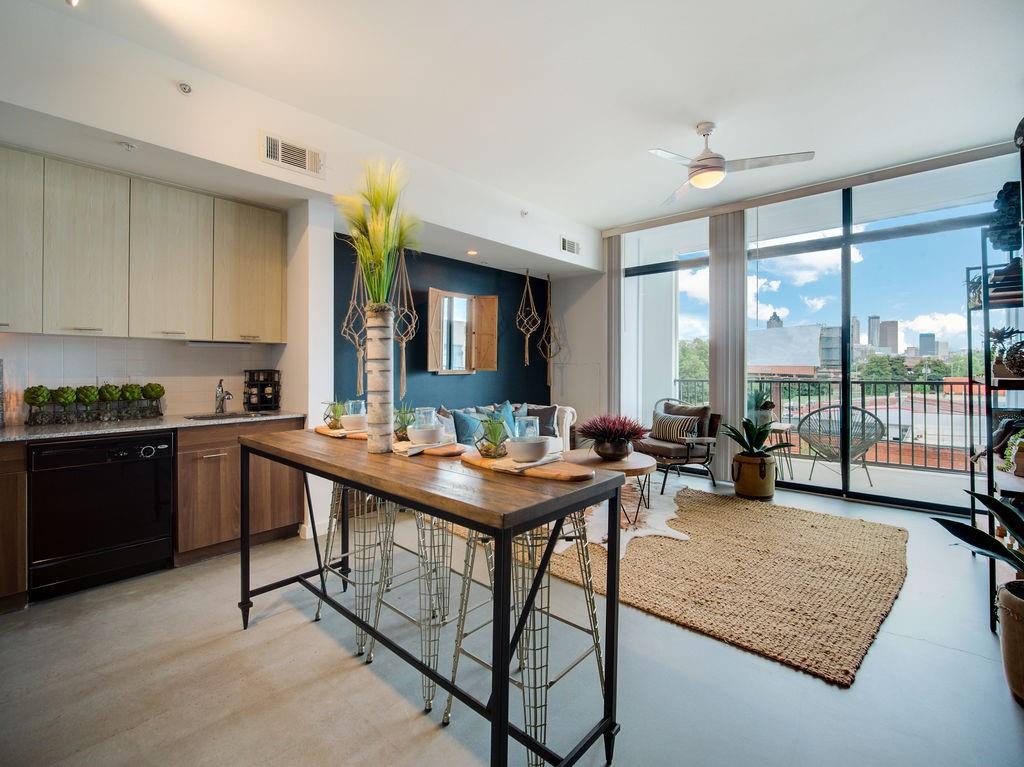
{"x": 189, "y": 374}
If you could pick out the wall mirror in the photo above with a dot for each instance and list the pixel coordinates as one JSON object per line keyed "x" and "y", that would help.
{"x": 463, "y": 332}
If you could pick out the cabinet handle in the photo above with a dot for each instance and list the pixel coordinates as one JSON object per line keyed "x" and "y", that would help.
{"x": 88, "y": 330}
{"x": 249, "y": 338}
{"x": 5, "y": 324}
{"x": 172, "y": 332}
{"x": 213, "y": 455}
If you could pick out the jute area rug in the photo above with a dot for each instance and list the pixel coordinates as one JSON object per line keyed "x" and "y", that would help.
{"x": 806, "y": 589}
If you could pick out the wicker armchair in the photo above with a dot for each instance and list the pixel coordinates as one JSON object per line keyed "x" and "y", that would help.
{"x": 820, "y": 430}
{"x": 693, "y": 451}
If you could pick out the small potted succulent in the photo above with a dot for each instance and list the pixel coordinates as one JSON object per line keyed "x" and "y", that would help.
{"x": 753, "y": 468}
{"x": 110, "y": 395}
{"x": 64, "y": 397}
{"x": 405, "y": 417}
{"x": 37, "y": 398}
{"x": 491, "y": 436}
{"x": 131, "y": 394}
{"x": 153, "y": 393}
{"x": 333, "y": 413}
{"x": 1010, "y": 599}
{"x": 613, "y": 435}
{"x": 87, "y": 397}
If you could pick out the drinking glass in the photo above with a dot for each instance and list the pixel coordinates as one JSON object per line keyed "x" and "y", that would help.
{"x": 527, "y": 427}
{"x": 426, "y": 417}
{"x": 355, "y": 407}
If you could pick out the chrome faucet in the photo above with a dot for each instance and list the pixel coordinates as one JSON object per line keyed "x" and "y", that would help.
{"x": 220, "y": 396}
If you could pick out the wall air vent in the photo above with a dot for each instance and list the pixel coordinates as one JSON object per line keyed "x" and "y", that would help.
{"x": 570, "y": 246}
{"x": 289, "y": 154}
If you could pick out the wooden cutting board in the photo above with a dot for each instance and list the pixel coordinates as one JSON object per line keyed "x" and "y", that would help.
{"x": 339, "y": 433}
{"x": 559, "y": 470}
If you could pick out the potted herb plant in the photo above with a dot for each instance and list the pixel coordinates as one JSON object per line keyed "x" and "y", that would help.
{"x": 753, "y": 468}
{"x": 110, "y": 395}
{"x": 333, "y": 413}
{"x": 64, "y": 396}
{"x": 153, "y": 393}
{"x": 87, "y": 396}
{"x": 379, "y": 232}
{"x": 613, "y": 435}
{"x": 405, "y": 417}
{"x": 491, "y": 436}
{"x": 37, "y": 398}
{"x": 1000, "y": 339}
{"x": 1010, "y": 599}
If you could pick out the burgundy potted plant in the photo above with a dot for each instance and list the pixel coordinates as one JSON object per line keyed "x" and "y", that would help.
{"x": 613, "y": 435}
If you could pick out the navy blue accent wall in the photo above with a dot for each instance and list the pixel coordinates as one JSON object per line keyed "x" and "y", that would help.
{"x": 512, "y": 380}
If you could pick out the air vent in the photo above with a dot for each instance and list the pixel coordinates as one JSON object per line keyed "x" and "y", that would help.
{"x": 291, "y": 155}
{"x": 570, "y": 246}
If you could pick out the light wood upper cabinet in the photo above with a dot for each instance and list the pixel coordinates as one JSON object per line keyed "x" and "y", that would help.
{"x": 248, "y": 273}
{"x": 85, "y": 251}
{"x": 171, "y": 284}
{"x": 21, "y": 242}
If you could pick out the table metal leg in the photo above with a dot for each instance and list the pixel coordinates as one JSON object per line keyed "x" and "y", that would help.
{"x": 500, "y": 648}
{"x": 345, "y": 569}
{"x": 316, "y": 538}
{"x": 611, "y": 625}
{"x": 245, "y": 603}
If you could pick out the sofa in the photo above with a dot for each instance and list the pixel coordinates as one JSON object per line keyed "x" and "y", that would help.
{"x": 565, "y": 417}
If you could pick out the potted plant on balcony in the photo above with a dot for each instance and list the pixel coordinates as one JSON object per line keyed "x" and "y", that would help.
{"x": 1010, "y": 599}
{"x": 1000, "y": 339}
{"x": 380, "y": 232}
{"x": 613, "y": 435}
{"x": 761, "y": 406}
{"x": 753, "y": 468}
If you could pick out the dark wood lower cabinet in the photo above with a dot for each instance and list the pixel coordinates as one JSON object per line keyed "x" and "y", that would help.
{"x": 13, "y": 533}
{"x": 209, "y": 487}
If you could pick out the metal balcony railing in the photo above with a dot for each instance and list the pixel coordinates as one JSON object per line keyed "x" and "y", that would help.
{"x": 928, "y": 425}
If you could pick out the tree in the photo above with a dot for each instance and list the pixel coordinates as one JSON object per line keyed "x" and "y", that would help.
{"x": 930, "y": 369}
{"x": 958, "y": 364}
{"x": 884, "y": 367}
{"x": 694, "y": 356}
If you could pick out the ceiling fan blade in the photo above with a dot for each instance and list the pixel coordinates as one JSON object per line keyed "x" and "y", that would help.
{"x": 677, "y": 193}
{"x": 664, "y": 154}
{"x": 749, "y": 163}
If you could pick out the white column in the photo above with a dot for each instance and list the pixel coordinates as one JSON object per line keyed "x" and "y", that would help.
{"x": 728, "y": 320}
{"x": 307, "y": 360}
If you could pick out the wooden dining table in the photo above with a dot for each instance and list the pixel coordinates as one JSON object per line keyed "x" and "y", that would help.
{"x": 500, "y": 506}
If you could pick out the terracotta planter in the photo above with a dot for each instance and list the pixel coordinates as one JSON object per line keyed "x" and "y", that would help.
{"x": 754, "y": 476}
{"x": 380, "y": 381}
{"x": 613, "y": 451}
{"x": 1010, "y": 601}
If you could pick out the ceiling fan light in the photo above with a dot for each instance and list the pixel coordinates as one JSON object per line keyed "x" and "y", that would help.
{"x": 705, "y": 178}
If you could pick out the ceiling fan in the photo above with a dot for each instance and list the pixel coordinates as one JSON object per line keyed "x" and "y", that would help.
{"x": 707, "y": 169}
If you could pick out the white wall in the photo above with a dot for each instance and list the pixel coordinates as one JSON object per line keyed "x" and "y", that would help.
{"x": 189, "y": 374}
{"x": 581, "y": 370}
{"x": 61, "y": 66}
{"x": 306, "y": 362}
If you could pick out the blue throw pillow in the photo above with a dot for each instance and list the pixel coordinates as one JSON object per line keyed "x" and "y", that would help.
{"x": 466, "y": 425}
{"x": 509, "y": 416}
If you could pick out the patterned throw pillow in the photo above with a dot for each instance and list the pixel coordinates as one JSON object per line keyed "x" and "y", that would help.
{"x": 674, "y": 428}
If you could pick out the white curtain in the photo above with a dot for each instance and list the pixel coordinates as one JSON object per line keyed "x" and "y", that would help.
{"x": 613, "y": 270}
{"x": 728, "y": 298}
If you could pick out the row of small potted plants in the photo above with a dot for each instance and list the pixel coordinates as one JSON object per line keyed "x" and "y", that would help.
{"x": 84, "y": 404}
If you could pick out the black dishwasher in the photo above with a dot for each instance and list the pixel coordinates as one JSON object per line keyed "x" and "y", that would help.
{"x": 99, "y": 510}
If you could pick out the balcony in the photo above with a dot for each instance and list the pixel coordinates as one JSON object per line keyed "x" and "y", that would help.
{"x": 925, "y": 432}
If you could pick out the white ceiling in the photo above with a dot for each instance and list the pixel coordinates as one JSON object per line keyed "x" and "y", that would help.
{"x": 557, "y": 103}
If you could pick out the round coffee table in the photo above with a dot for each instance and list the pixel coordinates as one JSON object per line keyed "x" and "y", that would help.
{"x": 635, "y": 464}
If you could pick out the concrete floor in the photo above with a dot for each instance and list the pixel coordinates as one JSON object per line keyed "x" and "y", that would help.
{"x": 156, "y": 670}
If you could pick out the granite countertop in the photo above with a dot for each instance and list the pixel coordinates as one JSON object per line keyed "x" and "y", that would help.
{"x": 70, "y": 431}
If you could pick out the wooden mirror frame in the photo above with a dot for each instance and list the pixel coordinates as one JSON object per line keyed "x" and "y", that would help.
{"x": 481, "y": 332}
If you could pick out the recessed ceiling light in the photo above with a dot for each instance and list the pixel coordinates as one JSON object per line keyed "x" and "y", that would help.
{"x": 72, "y": 3}
{"x": 127, "y": 146}
{"x": 185, "y": 88}
{"x": 470, "y": 252}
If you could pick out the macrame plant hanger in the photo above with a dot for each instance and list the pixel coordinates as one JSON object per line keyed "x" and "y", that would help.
{"x": 353, "y": 327}
{"x": 549, "y": 344}
{"x": 407, "y": 322}
{"x": 527, "y": 319}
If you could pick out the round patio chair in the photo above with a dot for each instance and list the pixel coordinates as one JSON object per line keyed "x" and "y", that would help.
{"x": 820, "y": 430}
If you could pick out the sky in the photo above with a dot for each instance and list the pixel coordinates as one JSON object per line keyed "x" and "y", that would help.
{"x": 918, "y": 281}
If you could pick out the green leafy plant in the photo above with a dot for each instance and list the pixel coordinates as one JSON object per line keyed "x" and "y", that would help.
{"x": 1010, "y": 451}
{"x": 379, "y": 230}
{"x": 37, "y": 396}
{"x": 87, "y": 395}
{"x": 64, "y": 396}
{"x": 1000, "y": 339}
{"x": 110, "y": 393}
{"x": 981, "y": 542}
{"x": 753, "y": 438}
{"x": 131, "y": 392}
{"x": 493, "y": 429}
{"x": 405, "y": 417}
{"x": 153, "y": 391}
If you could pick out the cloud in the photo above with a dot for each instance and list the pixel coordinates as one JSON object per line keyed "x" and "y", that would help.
{"x": 756, "y": 310}
{"x": 816, "y": 303}
{"x": 695, "y": 284}
{"x": 804, "y": 268}
{"x": 947, "y": 326}
{"x": 692, "y": 326}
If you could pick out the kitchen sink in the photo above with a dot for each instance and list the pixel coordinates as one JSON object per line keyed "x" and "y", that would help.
{"x": 223, "y": 416}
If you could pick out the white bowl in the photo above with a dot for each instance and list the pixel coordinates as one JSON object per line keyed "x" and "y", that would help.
{"x": 425, "y": 436}
{"x": 527, "y": 450}
{"x": 354, "y": 422}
